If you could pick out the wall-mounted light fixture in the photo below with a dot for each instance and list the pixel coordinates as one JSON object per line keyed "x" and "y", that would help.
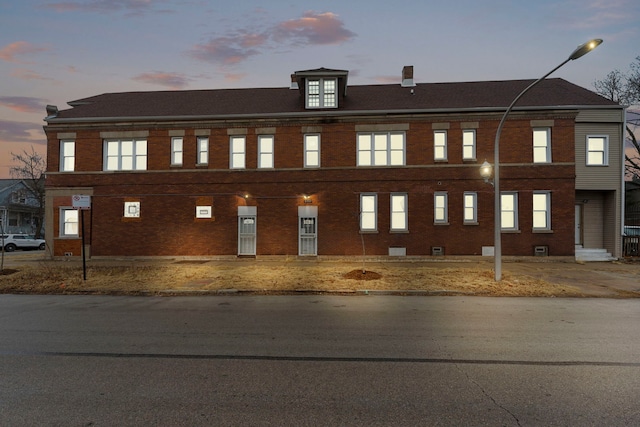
{"x": 307, "y": 198}
{"x": 486, "y": 171}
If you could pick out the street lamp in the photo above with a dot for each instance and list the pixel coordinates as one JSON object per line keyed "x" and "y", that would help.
{"x": 497, "y": 254}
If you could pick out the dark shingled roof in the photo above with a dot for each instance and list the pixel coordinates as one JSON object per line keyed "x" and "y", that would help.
{"x": 273, "y": 102}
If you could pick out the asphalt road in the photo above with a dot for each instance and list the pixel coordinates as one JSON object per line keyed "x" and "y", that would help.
{"x": 318, "y": 360}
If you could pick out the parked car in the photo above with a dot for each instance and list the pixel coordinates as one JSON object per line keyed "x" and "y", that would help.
{"x": 22, "y": 241}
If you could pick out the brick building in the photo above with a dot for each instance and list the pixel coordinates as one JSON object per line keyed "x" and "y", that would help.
{"x": 322, "y": 168}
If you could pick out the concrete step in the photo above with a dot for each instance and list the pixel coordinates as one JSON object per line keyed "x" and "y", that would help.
{"x": 592, "y": 255}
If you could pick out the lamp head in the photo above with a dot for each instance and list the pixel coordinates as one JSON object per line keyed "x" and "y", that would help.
{"x": 486, "y": 170}
{"x": 585, "y": 48}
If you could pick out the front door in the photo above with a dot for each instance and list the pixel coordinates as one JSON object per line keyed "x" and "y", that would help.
{"x": 308, "y": 230}
{"x": 247, "y": 235}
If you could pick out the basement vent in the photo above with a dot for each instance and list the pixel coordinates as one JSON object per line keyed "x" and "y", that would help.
{"x": 68, "y": 254}
{"x": 397, "y": 251}
{"x": 437, "y": 250}
{"x": 541, "y": 250}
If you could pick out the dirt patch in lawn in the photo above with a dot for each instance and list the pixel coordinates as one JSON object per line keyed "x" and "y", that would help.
{"x": 163, "y": 278}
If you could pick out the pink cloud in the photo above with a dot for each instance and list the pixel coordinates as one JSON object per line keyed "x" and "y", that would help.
{"x": 225, "y": 50}
{"x": 12, "y": 131}
{"x": 12, "y": 50}
{"x": 133, "y": 7}
{"x": 231, "y": 77}
{"x": 314, "y": 28}
{"x": 24, "y": 104}
{"x": 24, "y": 74}
{"x": 171, "y": 80}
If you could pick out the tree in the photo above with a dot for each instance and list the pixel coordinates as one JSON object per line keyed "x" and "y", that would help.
{"x": 31, "y": 167}
{"x": 624, "y": 88}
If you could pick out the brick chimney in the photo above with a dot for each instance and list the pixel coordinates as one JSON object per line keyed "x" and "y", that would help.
{"x": 407, "y": 76}
{"x": 294, "y": 82}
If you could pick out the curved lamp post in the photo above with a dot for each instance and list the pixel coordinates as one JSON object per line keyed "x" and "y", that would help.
{"x": 579, "y": 52}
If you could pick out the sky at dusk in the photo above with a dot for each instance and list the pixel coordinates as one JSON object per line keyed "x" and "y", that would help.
{"x": 53, "y": 52}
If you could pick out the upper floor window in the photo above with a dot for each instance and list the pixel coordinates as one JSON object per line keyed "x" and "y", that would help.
{"x": 67, "y": 156}
{"x": 202, "y": 143}
{"x": 440, "y": 210}
{"x": 237, "y": 155}
{"x": 125, "y": 154}
{"x": 265, "y": 151}
{"x": 322, "y": 93}
{"x": 469, "y": 144}
{"x": 541, "y": 210}
{"x": 312, "y": 150}
{"x": 470, "y": 207}
{"x": 440, "y": 145}
{"x": 542, "y": 145}
{"x": 597, "y": 150}
{"x": 176, "y": 151}
{"x": 368, "y": 212}
{"x": 381, "y": 149}
{"x": 509, "y": 211}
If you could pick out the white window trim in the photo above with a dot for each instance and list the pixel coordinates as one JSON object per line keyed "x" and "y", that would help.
{"x": 308, "y": 151}
{"x": 443, "y": 146}
{"x": 138, "y": 156}
{"x": 546, "y": 211}
{"x": 546, "y": 147}
{"x": 405, "y": 212}
{"x": 465, "y": 140}
{"x": 266, "y": 158}
{"x": 374, "y": 213}
{"x": 64, "y": 166}
{"x": 202, "y": 150}
{"x": 177, "y": 150}
{"x": 232, "y": 155}
{"x": 473, "y": 207}
{"x": 515, "y": 211}
{"x": 321, "y": 93}
{"x": 369, "y": 155}
{"x": 605, "y": 155}
{"x": 440, "y": 195}
{"x": 62, "y": 229}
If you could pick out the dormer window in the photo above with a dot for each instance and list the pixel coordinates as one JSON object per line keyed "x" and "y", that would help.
{"x": 321, "y": 93}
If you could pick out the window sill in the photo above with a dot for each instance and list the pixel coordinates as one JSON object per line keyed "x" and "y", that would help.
{"x": 541, "y": 231}
{"x": 471, "y": 223}
{"x": 368, "y": 231}
{"x": 399, "y": 231}
{"x": 441, "y": 223}
{"x": 510, "y": 231}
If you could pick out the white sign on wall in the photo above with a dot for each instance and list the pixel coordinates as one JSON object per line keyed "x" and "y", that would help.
{"x": 81, "y": 201}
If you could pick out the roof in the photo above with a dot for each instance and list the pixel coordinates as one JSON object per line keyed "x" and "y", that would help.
{"x": 364, "y": 99}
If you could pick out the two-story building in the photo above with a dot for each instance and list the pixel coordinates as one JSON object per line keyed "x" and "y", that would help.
{"x": 322, "y": 168}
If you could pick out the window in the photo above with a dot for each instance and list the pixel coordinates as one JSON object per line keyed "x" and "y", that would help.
{"x": 399, "y": 212}
{"x": 265, "y": 151}
{"x": 321, "y": 93}
{"x": 470, "y": 207}
{"x": 541, "y": 211}
{"x": 381, "y": 149}
{"x": 542, "y": 145}
{"x": 597, "y": 150}
{"x": 176, "y": 151}
{"x": 509, "y": 211}
{"x": 440, "y": 145}
{"x": 237, "y": 158}
{"x": 202, "y": 144}
{"x": 203, "y": 212}
{"x": 312, "y": 151}
{"x": 469, "y": 144}
{"x": 368, "y": 212}
{"x": 68, "y": 222}
{"x": 440, "y": 214}
{"x": 132, "y": 209}
{"x": 67, "y": 156}
{"x": 125, "y": 155}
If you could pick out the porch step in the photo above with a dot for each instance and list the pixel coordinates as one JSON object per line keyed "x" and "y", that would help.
{"x": 587, "y": 255}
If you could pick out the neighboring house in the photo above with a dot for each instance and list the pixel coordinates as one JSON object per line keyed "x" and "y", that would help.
{"x": 326, "y": 169}
{"x": 18, "y": 207}
{"x": 632, "y": 202}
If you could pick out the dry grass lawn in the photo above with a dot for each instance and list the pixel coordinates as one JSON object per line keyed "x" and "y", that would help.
{"x": 265, "y": 277}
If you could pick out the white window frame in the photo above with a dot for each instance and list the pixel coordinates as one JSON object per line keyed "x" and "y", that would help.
{"x": 204, "y": 212}
{"x": 470, "y": 207}
{"x": 541, "y": 214}
{"x": 67, "y": 155}
{"x": 369, "y": 212}
{"x": 381, "y": 148}
{"x": 440, "y": 207}
{"x": 202, "y": 149}
{"x": 69, "y": 222}
{"x": 440, "y": 145}
{"x": 509, "y": 211}
{"x": 124, "y": 154}
{"x": 591, "y": 151}
{"x": 132, "y": 209}
{"x": 312, "y": 150}
{"x": 322, "y": 93}
{"x": 177, "y": 150}
{"x": 542, "y": 145}
{"x": 399, "y": 208}
{"x": 469, "y": 144}
{"x": 237, "y": 152}
{"x": 266, "y": 148}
